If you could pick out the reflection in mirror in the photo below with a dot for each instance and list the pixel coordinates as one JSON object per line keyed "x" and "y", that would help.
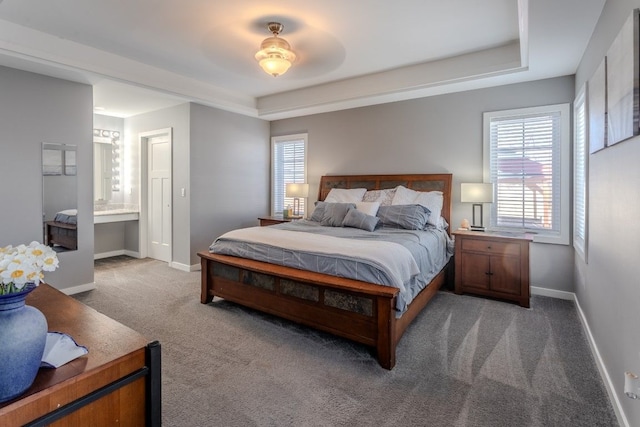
{"x": 106, "y": 164}
{"x": 59, "y": 196}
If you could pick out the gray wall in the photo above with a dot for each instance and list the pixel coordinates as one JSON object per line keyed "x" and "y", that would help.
{"x": 429, "y": 135}
{"x": 36, "y": 109}
{"x": 230, "y": 169}
{"x": 109, "y": 237}
{"x": 607, "y": 287}
{"x": 60, "y": 192}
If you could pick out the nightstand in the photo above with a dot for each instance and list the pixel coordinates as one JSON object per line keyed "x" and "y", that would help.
{"x": 493, "y": 264}
{"x": 272, "y": 220}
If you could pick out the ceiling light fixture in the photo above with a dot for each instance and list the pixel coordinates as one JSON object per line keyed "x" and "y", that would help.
{"x": 275, "y": 55}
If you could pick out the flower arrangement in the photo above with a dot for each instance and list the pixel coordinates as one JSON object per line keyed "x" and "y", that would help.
{"x": 24, "y": 264}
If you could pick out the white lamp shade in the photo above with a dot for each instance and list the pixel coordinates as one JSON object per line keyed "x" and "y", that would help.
{"x": 297, "y": 190}
{"x": 476, "y": 193}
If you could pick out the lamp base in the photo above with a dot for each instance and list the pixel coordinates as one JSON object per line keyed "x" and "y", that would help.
{"x": 296, "y": 207}
{"x": 477, "y": 219}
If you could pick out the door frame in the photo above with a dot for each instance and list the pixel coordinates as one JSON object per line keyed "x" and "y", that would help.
{"x": 143, "y": 224}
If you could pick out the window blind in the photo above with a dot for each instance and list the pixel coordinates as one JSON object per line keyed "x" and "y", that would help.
{"x": 580, "y": 145}
{"x": 525, "y": 168}
{"x": 288, "y": 166}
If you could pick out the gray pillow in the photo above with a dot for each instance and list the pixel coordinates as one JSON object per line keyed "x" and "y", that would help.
{"x": 318, "y": 212}
{"x": 409, "y": 217}
{"x": 334, "y": 213}
{"x": 359, "y": 219}
{"x": 331, "y": 214}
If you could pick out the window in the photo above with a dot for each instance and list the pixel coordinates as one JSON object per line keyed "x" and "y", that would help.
{"x": 288, "y": 165}
{"x": 580, "y": 168}
{"x": 527, "y": 159}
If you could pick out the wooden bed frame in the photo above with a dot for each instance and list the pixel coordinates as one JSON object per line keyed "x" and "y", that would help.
{"x": 360, "y": 311}
{"x": 61, "y": 234}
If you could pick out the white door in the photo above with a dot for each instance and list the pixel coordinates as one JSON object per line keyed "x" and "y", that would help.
{"x": 159, "y": 194}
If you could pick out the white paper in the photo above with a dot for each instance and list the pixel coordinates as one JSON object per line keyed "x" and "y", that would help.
{"x": 60, "y": 349}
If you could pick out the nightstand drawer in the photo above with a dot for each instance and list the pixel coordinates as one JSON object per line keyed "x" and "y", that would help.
{"x": 489, "y": 246}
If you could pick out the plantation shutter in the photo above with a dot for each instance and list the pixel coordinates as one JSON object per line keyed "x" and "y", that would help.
{"x": 289, "y": 166}
{"x": 580, "y": 175}
{"x": 525, "y": 169}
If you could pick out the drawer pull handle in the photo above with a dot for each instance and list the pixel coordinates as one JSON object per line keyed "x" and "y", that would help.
{"x": 489, "y": 247}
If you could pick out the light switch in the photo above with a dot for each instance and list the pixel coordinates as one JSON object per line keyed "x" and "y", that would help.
{"x": 183, "y": 192}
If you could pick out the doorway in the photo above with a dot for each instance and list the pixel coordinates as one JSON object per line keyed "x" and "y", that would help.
{"x": 157, "y": 227}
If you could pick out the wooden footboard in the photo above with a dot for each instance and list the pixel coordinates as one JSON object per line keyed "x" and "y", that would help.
{"x": 360, "y": 311}
{"x": 62, "y": 234}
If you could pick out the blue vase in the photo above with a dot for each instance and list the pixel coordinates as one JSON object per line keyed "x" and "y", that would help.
{"x": 23, "y": 334}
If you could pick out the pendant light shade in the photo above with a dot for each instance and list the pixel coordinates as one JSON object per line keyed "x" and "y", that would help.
{"x": 275, "y": 55}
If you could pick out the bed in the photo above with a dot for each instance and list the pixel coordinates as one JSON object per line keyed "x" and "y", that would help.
{"x": 62, "y": 231}
{"x": 358, "y": 310}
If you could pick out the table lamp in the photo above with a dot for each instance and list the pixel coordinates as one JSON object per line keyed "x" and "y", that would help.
{"x": 476, "y": 193}
{"x": 296, "y": 191}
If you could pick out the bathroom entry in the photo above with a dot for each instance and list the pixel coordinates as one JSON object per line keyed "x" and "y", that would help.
{"x": 159, "y": 195}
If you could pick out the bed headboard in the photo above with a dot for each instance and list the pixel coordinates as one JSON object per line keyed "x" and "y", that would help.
{"x": 417, "y": 182}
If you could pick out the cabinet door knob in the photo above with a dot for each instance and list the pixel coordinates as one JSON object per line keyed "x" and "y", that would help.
{"x": 488, "y": 273}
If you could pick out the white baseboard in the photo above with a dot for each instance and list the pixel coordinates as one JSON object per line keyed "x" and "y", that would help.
{"x": 116, "y": 253}
{"x": 77, "y": 289}
{"x": 108, "y": 254}
{"x": 553, "y": 293}
{"x": 608, "y": 384}
{"x": 185, "y": 267}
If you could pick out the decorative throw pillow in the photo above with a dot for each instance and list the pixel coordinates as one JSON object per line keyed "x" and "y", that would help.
{"x": 409, "y": 217}
{"x": 385, "y": 197}
{"x": 369, "y": 208}
{"x": 358, "y": 219}
{"x": 432, "y": 200}
{"x": 345, "y": 195}
{"x": 334, "y": 213}
{"x": 318, "y": 212}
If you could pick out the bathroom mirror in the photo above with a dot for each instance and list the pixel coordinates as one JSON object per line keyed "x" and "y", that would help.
{"x": 59, "y": 196}
{"x": 106, "y": 164}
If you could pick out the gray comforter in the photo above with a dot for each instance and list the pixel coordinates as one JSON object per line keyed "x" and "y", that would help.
{"x": 406, "y": 259}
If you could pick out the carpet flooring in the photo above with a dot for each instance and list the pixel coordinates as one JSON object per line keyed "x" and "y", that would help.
{"x": 465, "y": 361}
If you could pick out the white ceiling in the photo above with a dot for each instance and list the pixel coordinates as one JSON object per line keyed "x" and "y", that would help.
{"x": 147, "y": 54}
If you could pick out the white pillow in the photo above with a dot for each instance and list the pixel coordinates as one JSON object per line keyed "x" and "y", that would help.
{"x": 345, "y": 195}
{"x": 370, "y": 208}
{"x": 432, "y": 200}
{"x": 404, "y": 196}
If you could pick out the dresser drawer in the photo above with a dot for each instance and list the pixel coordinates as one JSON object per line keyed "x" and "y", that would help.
{"x": 492, "y": 247}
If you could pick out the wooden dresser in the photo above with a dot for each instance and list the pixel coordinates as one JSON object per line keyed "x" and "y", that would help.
{"x": 117, "y": 383}
{"x": 493, "y": 264}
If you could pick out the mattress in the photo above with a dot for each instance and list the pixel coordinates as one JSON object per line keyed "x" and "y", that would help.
{"x": 67, "y": 216}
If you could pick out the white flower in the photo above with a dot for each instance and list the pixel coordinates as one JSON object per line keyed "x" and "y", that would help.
{"x": 24, "y": 264}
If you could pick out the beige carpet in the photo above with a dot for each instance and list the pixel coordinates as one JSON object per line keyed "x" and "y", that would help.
{"x": 465, "y": 361}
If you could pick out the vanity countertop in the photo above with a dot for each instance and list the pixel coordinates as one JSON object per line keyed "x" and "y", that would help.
{"x": 115, "y": 213}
